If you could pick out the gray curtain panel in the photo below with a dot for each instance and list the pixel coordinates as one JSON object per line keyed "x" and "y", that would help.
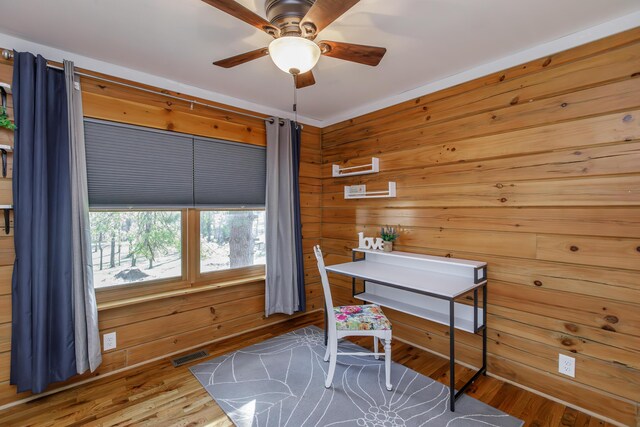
{"x": 282, "y": 292}
{"x": 87, "y": 336}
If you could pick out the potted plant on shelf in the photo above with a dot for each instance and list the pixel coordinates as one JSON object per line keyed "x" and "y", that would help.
{"x": 389, "y": 235}
{"x": 5, "y": 122}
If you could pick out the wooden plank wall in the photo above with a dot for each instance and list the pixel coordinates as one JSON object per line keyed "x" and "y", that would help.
{"x": 535, "y": 170}
{"x": 152, "y": 329}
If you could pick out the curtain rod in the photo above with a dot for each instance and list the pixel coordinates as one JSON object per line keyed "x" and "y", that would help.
{"x": 8, "y": 55}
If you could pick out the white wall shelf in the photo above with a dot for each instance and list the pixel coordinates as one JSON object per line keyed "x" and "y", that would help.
{"x": 360, "y": 192}
{"x": 373, "y": 167}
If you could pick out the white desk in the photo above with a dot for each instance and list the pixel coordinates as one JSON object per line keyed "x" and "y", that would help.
{"x": 411, "y": 276}
{"x": 424, "y": 286}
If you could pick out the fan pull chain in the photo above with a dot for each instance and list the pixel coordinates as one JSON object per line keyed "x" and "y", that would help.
{"x": 295, "y": 97}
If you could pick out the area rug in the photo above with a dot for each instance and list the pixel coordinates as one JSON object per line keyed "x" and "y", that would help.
{"x": 280, "y": 382}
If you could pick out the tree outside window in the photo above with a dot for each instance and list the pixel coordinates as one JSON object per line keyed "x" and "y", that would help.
{"x": 135, "y": 246}
{"x": 231, "y": 239}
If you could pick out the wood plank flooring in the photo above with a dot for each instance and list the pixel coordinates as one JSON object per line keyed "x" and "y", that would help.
{"x": 158, "y": 394}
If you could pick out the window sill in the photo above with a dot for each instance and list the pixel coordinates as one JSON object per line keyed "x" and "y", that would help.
{"x": 178, "y": 292}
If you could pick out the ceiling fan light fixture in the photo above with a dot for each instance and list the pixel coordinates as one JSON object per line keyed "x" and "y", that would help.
{"x": 293, "y": 54}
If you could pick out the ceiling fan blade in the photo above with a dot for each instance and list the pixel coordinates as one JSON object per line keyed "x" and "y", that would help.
{"x": 367, "y": 55}
{"x": 304, "y": 80}
{"x": 323, "y": 13}
{"x": 237, "y": 10}
{"x": 242, "y": 58}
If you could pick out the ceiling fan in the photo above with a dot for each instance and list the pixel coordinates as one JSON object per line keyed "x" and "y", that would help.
{"x": 294, "y": 24}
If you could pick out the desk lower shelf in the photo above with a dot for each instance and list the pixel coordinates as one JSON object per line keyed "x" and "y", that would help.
{"x": 428, "y": 311}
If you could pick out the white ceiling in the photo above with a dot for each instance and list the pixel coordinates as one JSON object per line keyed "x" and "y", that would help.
{"x": 427, "y": 41}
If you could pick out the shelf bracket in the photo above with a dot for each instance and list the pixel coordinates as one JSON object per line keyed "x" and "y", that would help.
{"x": 373, "y": 167}
{"x": 5, "y": 88}
{"x": 7, "y": 223}
{"x": 4, "y": 150}
{"x": 4, "y": 162}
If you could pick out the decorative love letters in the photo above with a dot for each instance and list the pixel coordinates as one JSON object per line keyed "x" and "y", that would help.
{"x": 374, "y": 243}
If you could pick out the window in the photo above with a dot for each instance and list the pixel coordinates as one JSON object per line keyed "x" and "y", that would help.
{"x": 146, "y": 191}
{"x": 231, "y": 239}
{"x": 135, "y": 246}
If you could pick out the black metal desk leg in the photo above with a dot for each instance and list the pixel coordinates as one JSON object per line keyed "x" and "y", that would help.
{"x": 452, "y": 357}
{"x": 484, "y": 330}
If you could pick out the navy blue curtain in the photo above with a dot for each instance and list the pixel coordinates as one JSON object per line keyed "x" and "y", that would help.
{"x": 295, "y": 154}
{"x": 42, "y": 341}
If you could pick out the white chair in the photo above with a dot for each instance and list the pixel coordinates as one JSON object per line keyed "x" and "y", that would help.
{"x": 353, "y": 320}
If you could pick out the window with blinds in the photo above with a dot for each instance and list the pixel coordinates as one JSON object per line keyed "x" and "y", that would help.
{"x": 136, "y": 167}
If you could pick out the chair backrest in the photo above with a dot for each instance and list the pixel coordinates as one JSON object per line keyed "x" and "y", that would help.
{"x": 325, "y": 284}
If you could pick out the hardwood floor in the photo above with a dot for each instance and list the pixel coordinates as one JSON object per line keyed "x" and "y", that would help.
{"x": 158, "y": 394}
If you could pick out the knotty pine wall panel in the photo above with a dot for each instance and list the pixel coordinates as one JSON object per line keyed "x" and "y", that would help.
{"x": 152, "y": 329}
{"x": 584, "y": 51}
{"x": 535, "y": 170}
{"x": 7, "y": 253}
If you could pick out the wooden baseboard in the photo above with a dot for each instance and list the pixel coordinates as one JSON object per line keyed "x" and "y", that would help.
{"x": 117, "y": 371}
{"x": 534, "y": 391}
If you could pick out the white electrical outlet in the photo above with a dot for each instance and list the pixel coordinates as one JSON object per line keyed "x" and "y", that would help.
{"x": 567, "y": 365}
{"x": 109, "y": 341}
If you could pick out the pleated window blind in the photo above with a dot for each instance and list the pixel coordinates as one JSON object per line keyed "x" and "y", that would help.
{"x": 136, "y": 167}
{"x": 228, "y": 174}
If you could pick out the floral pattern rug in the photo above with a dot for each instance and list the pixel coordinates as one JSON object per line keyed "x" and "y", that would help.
{"x": 280, "y": 382}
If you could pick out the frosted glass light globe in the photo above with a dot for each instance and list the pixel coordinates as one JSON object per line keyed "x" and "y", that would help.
{"x": 294, "y": 54}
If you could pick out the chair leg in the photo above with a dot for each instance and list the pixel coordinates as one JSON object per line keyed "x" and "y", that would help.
{"x": 328, "y": 351}
{"x": 387, "y": 363}
{"x": 333, "y": 345}
{"x": 375, "y": 347}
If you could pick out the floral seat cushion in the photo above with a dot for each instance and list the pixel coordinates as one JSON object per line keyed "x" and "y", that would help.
{"x": 361, "y": 318}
